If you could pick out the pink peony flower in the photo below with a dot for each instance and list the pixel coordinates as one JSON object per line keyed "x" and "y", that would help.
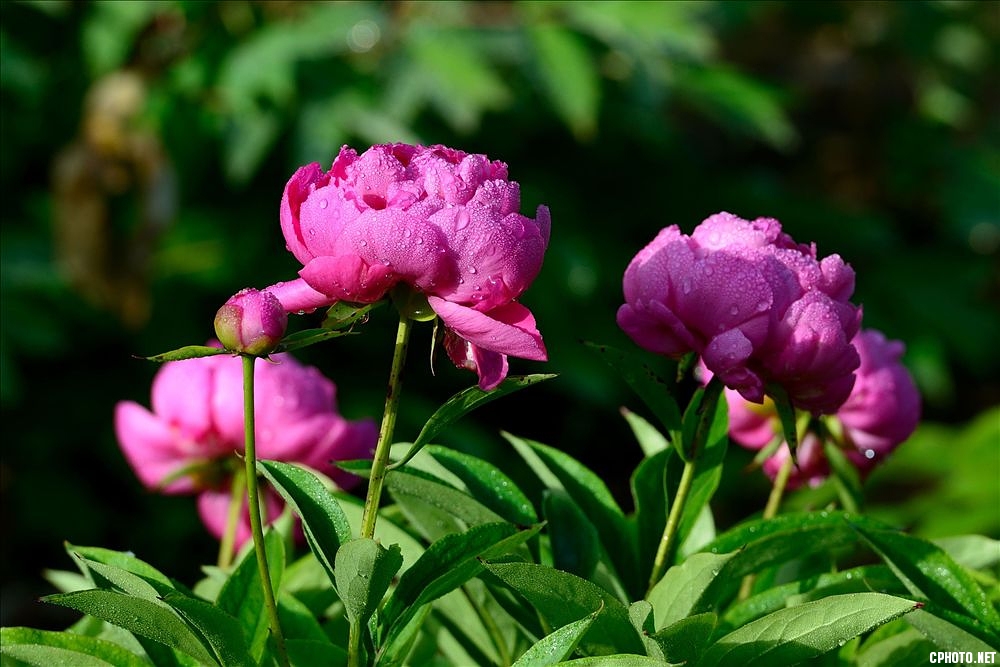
{"x": 192, "y": 439}
{"x": 441, "y": 221}
{"x": 251, "y": 322}
{"x": 757, "y": 307}
{"x": 881, "y": 412}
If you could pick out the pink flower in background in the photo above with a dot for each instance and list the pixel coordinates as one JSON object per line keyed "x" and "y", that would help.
{"x": 881, "y": 412}
{"x": 757, "y": 307}
{"x": 251, "y": 322}
{"x": 441, "y": 221}
{"x": 190, "y": 441}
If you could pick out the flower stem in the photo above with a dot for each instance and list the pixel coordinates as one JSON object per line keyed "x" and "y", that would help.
{"x": 770, "y": 511}
{"x": 381, "y": 460}
{"x": 673, "y": 521}
{"x": 253, "y": 502}
{"x": 226, "y": 546}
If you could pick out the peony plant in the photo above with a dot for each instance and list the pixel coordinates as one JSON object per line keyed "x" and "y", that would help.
{"x": 462, "y": 565}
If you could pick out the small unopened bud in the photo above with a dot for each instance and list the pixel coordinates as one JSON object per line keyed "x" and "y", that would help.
{"x": 251, "y": 322}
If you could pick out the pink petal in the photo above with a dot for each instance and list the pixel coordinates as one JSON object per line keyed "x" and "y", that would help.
{"x": 296, "y": 296}
{"x": 509, "y": 329}
{"x": 151, "y": 447}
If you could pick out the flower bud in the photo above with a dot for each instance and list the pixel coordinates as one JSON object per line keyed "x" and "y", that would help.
{"x": 251, "y": 322}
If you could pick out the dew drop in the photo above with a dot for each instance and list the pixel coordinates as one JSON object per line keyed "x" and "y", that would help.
{"x": 323, "y": 203}
{"x": 363, "y": 243}
{"x": 461, "y": 281}
{"x": 420, "y": 241}
{"x": 386, "y": 261}
{"x": 407, "y": 233}
{"x": 478, "y": 287}
{"x": 472, "y": 270}
{"x": 869, "y": 454}
{"x": 686, "y": 285}
{"x": 312, "y": 232}
{"x": 762, "y": 306}
{"x": 301, "y": 312}
{"x": 709, "y": 270}
{"x": 735, "y": 310}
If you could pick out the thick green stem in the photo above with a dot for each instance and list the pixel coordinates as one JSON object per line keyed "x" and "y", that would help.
{"x": 226, "y": 546}
{"x": 253, "y": 502}
{"x": 381, "y": 460}
{"x": 673, "y": 521}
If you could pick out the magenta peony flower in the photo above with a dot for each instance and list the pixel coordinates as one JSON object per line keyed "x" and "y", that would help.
{"x": 441, "y": 221}
{"x": 251, "y": 322}
{"x": 191, "y": 440}
{"x": 759, "y": 309}
{"x": 881, "y": 412}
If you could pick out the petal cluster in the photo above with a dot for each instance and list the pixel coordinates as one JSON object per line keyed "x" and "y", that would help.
{"x": 757, "y": 307}
{"x": 190, "y": 440}
{"x": 441, "y": 221}
{"x": 881, "y": 412}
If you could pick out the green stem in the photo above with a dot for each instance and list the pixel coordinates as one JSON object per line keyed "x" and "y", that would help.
{"x": 673, "y": 521}
{"x": 253, "y": 502}
{"x": 381, "y": 460}
{"x": 770, "y": 511}
{"x": 238, "y": 487}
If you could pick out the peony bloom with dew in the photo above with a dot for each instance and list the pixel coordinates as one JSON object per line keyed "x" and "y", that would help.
{"x": 881, "y": 412}
{"x": 444, "y": 223}
{"x": 759, "y": 308}
{"x": 192, "y": 439}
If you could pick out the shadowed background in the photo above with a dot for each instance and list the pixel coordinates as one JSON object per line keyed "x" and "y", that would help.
{"x": 145, "y": 146}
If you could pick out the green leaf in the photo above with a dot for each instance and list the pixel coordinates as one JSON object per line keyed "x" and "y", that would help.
{"x": 786, "y": 414}
{"x": 649, "y": 493}
{"x": 562, "y": 598}
{"x": 462, "y": 404}
{"x": 107, "y": 577}
{"x": 125, "y": 561}
{"x": 654, "y": 391}
{"x": 649, "y": 438}
{"x": 323, "y": 521}
{"x": 153, "y": 620}
{"x": 433, "y": 507}
{"x": 845, "y": 476}
{"x": 364, "y": 570}
{"x": 41, "y": 648}
{"x": 343, "y": 315}
{"x": 487, "y": 484}
{"x": 678, "y": 594}
{"x": 387, "y": 530}
{"x": 575, "y": 545}
{"x": 558, "y": 470}
{"x": 947, "y": 636}
{"x": 619, "y": 660}
{"x": 307, "y": 337}
{"x": 221, "y": 632}
{"x": 569, "y": 76}
{"x": 558, "y": 645}
{"x": 305, "y": 652}
{"x": 902, "y": 649}
{"x": 931, "y": 573}
{"x": 242, "y": 595}
{"x": 799, "y": 633}
{"x": 447, "y": 564}
{"x": 685, "y": 639}
{"x": 976, "y": 552}
{"x": 188, "y": 352}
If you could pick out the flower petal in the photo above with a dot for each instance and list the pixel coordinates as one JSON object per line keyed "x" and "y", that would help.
{"x": 509, "y": 329}
{"x": 151, "y": 447}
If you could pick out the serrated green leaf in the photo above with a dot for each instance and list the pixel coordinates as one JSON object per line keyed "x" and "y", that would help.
{"x": 798, "y": 633}
{"x": 562, "y": 598}
{"x": 561, "y": 471}
{"x": 462, "y": 404}
{"x": 558, "y": 645}
{"x": 576, "y": 547}
{"x": 933, "y": 573}
{"x": 569, "y": 76}
{"x": 41, "y": 648}
{"x": 187, "y": 352}
{"x": 323, "y": 521}
{"x": 678, "y": 594}
{"x": 654, "y": 391}
{"x": 364, "y": 570}
{"x": 221, "y": 632}
{"x": 487, "y": 484}
{"x": 153, "y": 620}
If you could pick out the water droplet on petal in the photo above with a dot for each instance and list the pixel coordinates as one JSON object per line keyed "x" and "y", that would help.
{"x": 407, "y": 233}
{"x": 461, "y": 281}
{"x": 472, "y": 270}
{"x": 323, "y": 203}
{"x": 420, "y": 241}
{"x": 869, "y": 454}
{"x": 735, "y": 310}
{"x": 301, "y": 312}
{"x": 686, "y": 285}
{"x": 363, "y": 243}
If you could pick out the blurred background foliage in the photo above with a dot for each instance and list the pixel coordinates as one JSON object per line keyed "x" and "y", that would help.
{"x": 145, "y": 146}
